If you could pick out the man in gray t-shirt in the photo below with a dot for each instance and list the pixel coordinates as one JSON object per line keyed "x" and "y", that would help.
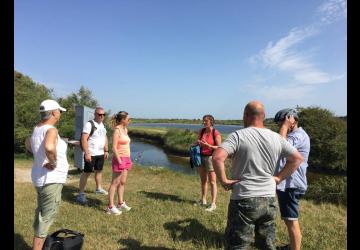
{"x": 255, "y": 151}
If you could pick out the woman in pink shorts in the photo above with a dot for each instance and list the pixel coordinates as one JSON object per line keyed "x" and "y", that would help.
{"x": 121, "y": 162}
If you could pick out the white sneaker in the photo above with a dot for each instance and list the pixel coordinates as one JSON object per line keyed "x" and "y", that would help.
{"x": 101, "y": 191}
{"x": 211, "y": 208}
{"x": 124, "y": 207}
{"x": 113, "y": 210}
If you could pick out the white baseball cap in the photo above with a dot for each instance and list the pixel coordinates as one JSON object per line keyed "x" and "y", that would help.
{"x": 50, "y": 105}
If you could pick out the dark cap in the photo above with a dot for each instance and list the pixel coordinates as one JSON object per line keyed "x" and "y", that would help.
{"x": 280, "y": 116}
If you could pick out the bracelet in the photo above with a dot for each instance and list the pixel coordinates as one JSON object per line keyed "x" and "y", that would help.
{"x": 107, "y": 151}
{"x": 53, "y": 163}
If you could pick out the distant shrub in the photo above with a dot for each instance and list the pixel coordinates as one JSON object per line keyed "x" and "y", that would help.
{"x": 328, "y": 189}
{"x": 328, "y": 138}
{"x": 179, "y": 140}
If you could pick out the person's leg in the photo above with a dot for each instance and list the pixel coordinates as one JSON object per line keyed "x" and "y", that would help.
{"x": 38, "y": 243}
{"x": 240, "y": 224}
{"x": 113, "y": 186}
{"x": 49, "y": 198}
{"x": 83, "y": 180}
{"x": 121, "y": 187}
{"x": 98, "y": 167}
{"x": 289, "y": 209}
{"x": 265, "y": 223}
{"x": 203, "y": 183}
{"x": 98, "y": 179}
{"x": 212, "y": 179}
{"x": 294, "y": 231}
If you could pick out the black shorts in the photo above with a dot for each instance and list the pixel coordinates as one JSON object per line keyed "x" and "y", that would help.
{"x": 97, "y": 163}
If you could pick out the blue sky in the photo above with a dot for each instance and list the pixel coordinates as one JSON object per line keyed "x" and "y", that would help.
{"x": 186, "y": 58}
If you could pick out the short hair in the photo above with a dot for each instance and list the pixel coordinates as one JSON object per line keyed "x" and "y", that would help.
{"x": 210, "y": 117}
{"x": 45, "y": 115}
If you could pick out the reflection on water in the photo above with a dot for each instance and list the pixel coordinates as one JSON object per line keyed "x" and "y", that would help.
{"x": 148, "y": 155}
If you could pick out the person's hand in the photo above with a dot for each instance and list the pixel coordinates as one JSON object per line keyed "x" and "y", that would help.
{"x": 50, "y": 166}
{"x": 87, "y": 157}
{"x": 106, "y": 155}
{"x": 119, "y": 160}
{"x": 228, "y": 184}
{"x": 277, "y": 180}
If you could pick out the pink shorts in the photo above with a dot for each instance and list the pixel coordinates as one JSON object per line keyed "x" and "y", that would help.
{"x": 126, "y": 164}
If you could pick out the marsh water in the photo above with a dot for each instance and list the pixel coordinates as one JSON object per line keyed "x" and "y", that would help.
{"x": 152, "y": 155}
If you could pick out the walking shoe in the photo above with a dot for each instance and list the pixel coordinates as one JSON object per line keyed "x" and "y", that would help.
{"x": 200, "y": 203}
{"x": 101, "y": 191}
{"x": 211, "y": 208}
{"x": 113, "y": 210}
{"x": 81, "y": 199}
{"x": 123, "y": 207}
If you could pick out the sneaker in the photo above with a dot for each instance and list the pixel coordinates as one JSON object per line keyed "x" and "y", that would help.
{"x": 123, "y": 207}
{"x": 81, "y": 199}
{"x": 211, "y": 208}
{"x": 101, "y": 191}
{"x": 200, "y": 203}
{"x": 113, "y": 210}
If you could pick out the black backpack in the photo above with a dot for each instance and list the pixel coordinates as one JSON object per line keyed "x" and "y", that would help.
{"x": 93, "y": 128}
{"x": 72, "y": 242}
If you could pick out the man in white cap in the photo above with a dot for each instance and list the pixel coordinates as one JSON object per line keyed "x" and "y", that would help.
{"x": 49, "y": 170}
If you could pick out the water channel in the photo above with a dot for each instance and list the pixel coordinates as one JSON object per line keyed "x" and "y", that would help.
{"x": 146, "y": 154}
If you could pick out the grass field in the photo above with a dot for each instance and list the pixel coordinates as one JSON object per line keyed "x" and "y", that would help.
{"x": 163, "y": 214}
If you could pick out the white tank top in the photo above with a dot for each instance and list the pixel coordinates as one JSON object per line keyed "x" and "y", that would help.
{"x": 40, "y": 175}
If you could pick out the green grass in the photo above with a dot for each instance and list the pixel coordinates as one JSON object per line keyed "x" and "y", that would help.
{"x": 163, "y": 215}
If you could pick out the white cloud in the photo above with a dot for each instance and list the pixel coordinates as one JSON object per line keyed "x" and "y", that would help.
{"x": 290, "y": 92}
{"x": 333, "y": 10}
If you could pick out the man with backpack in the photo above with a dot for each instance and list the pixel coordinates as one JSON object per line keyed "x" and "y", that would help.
{"x": 94, "y": 144}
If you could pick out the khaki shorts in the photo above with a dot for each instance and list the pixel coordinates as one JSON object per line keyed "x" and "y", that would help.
{"x": 206, "y": 161}
{"x": 48, "y": 198}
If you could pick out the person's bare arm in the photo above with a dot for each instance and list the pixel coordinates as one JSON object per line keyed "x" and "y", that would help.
{"x": 85, "y": 145}
{"x": 28, "y": 144}
{"x": 218, "y": 159}
{"x": 50, "y": 143}
{"x": 292, "y": 163}
{"x": 106, "y": 148}
{"x": 115, "y": 138}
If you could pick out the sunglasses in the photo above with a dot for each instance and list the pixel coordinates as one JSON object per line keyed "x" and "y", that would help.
{"x": 100, "y": 114}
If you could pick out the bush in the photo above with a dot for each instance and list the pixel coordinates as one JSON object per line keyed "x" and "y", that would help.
{"x": 330, "y": 189}
{"x": 179, "y": 140}
{"x": 327, "y": 137}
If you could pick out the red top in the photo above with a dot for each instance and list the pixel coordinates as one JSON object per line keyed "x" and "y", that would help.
{"x": 208, "y": 137}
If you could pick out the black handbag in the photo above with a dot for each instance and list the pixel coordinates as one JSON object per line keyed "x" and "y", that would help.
{"x": 72, "y": 240}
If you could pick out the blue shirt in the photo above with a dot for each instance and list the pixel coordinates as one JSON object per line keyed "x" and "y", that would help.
{"x": 301, "y": 141}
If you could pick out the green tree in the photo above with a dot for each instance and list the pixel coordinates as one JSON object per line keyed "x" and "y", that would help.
{"x": 328, "y": 137}
{"x": 27, "y": 97}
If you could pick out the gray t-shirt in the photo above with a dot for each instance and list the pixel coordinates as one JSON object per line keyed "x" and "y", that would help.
{"x": 255, "y": 153}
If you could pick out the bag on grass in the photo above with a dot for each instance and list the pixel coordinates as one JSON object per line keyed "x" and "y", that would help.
{"x": 195, "y": 156}
{"x": 72, "y": 240}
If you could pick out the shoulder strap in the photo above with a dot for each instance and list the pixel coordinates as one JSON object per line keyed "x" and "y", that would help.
{"x": 202, "y": 132}
{"x": 92, "y": 128}
{"x": 213, "y": 135}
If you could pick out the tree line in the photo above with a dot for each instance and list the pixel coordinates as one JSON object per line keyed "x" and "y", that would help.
{"x": 328, "y": 133}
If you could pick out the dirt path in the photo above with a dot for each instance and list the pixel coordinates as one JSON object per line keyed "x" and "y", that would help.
{"x": 24, "y": 175}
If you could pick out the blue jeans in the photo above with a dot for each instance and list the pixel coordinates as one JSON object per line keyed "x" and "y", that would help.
{"x": 248, "y": 215}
